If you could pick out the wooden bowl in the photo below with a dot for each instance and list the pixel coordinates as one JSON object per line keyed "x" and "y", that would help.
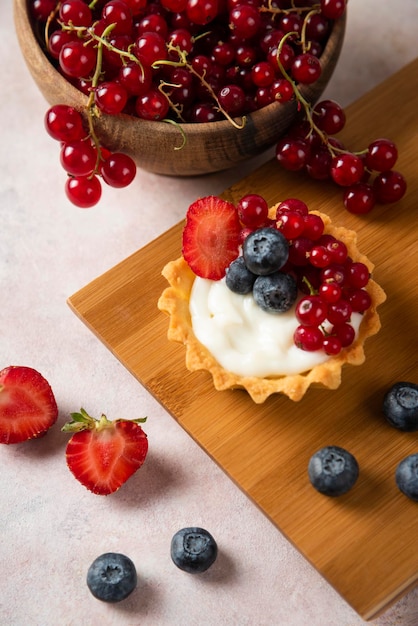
{"x": 209, "y": 147}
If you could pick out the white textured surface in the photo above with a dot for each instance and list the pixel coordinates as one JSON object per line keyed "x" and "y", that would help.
{"x": 52, "y": 528}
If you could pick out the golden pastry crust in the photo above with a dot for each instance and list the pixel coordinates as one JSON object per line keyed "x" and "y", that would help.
{"x": 175, "y": 302}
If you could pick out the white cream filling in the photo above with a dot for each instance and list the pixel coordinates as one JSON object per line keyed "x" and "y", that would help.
{"x": 246, "y": 340}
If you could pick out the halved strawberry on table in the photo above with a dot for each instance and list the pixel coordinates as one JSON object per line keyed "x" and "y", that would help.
{"x": 102, "y": 454}
{"x": 27, "y": 404}
{"x": 211, "y": 237}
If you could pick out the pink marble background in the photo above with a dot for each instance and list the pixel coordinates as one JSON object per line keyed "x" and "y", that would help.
{"x": 52, "y": 528}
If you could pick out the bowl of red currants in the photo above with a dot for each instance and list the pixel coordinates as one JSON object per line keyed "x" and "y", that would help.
{"x": 182, "y": 87}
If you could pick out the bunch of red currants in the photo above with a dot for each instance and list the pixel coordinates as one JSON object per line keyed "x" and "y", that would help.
{"x": 198, "y": 61}
{"x": 367, "y": 177}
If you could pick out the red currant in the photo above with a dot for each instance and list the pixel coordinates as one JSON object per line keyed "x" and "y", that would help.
{"x": 359, "y": 198}
{"x": 76, "y": 59}
{"x": 149, "y": 48}
{"x": 202, "y": 11}
{"x": 347, "y": 169}
{"x": 299, "y": 251}
{"x": 337, "y": 250}
{"x": 291, "y": 224}
{"x": 262, "y": 74}
{"x": 311, "y": 311}
{"x": 382, "y": 155}
{"x": 111, "y": 97}
{"x": 319, "y": 256}
{"x": 317, "y": 29}
{"x": 223, "y": 53}
{"x": 294, "y": 205}
{"x": 335, "y": 273}
{"x": 359, "y": 299}
{"x": 318, "y": 164}
{"x": 329, "y": 116}
{"x": 152, "y": 23}
{"x": 83, "y": 191}
{"x": 78, "y": 158}
{"x": 252, "y": 210}
{"x": 245, "y": 21}
{"x": 117, "y": 12}
{"x": 330, "y": 291}
{"x": 41, "y": 9}
{"x": 332, "y": 345}
{"x": 64, "y": 123}
{"x": 339, "y": 312}
{"x": 292, "y": 154}
{"x": 57, "y": 40}
{"x": 232, "y": 99}
{"x": 389, "y": 187}
{"x": 76, "y": 12}
{"x": 284, "y": 59}
{"x": 182, "y": 39}
{"x": 135, "y": 79}
{"x": 282, "y": 90}
{"x": 345, "y": 333}
{"x": 358, "y": 274}
{"x": 152, "y": 106}
{"x": 333, "y": 9}
{"x": 313, "y": 226}
{"x": 308, "y": 338}
{"x": 118, "y": 170}
{"x": 306, "y": 68}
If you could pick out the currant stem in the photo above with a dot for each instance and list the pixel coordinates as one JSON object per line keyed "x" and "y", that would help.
{"x": 101, "y": 39}
{"x": 305, "y": 47}
{"x": 178, "y": 126}
{"x": 301, "y": 100}
{"x": 178, "y": 110}
{"x": 183, "y": 62}
{"x": 49, "y": 21}
{"x": 277, "y": 11}
{"x": 312, "y": 290}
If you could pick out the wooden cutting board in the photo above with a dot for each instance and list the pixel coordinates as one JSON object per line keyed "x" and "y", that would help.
{"x": 363, "y": 543}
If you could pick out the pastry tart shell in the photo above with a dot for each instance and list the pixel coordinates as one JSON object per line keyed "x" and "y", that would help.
{"x": 175, "y": 302}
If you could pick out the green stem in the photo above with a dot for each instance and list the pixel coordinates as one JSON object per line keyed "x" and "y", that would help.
{"x": 302, "y": 101}
{"x": 314, "y": 11}
{"x": 183, "y": 62}
{"x": 276, "y": 11}
{"x": 49, "y": 21}
{"x": 101, "y": 39}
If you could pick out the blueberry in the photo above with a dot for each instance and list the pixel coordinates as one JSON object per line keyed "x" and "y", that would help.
{"x": 238, "y": 277}
{"x": 275, "y": 293}
{"x": 406, "y": 476}
{"x": 265, "y": 250}
{"x": 333, "y": 470}
{"x": 193, "y": 550}
{"x": 400, "y": 406}
{"x": 111, "y": 577}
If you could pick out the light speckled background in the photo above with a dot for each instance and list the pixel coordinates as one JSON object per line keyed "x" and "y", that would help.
{"x": 52, "y": 528}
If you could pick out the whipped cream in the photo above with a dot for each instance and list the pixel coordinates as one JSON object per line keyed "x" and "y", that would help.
{"x": 246, "y": 340}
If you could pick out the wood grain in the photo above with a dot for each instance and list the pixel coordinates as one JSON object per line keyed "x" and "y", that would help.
{"x": 363, "y": 543}
{"x": 210, "y": 147}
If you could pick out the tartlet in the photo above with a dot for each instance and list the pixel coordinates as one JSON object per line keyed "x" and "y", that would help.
{"x": 174, "y": 301}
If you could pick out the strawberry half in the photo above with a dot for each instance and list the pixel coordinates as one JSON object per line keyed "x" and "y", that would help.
{"x": 27, "y": 405}
{"x": 211, "y": 237}
{"x": 103, "y": 454}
